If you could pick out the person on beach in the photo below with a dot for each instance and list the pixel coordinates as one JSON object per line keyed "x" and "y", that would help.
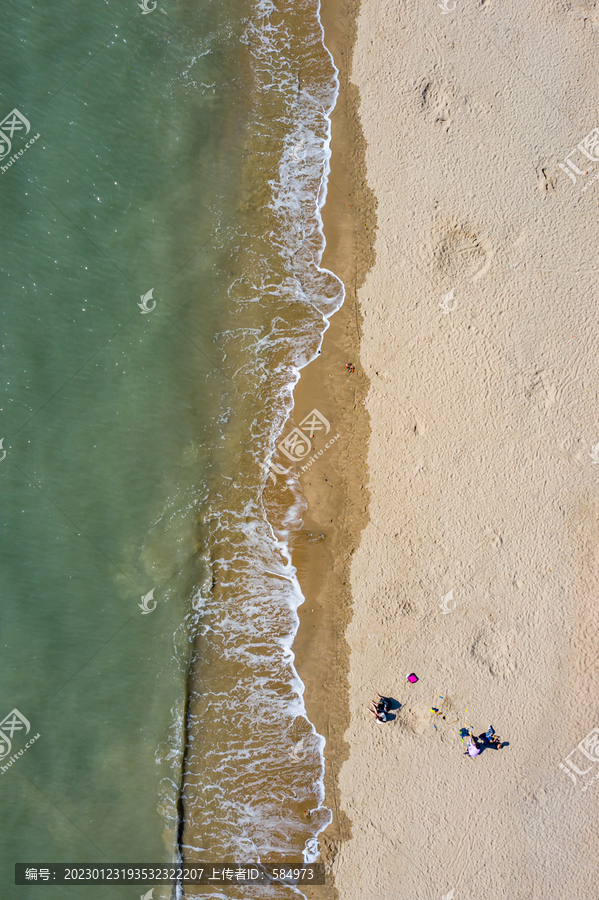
{"x": 472, "y": 749}
{"x": 492, "y": 739}
{"x": 379, "y": 714}
{"x": 383, "y": 703}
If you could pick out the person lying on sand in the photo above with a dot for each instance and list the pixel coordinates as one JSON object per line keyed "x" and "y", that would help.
{"x": 492, "y": 739}
{"x": 379, "y": 714}
{"x": 384, "y": 703}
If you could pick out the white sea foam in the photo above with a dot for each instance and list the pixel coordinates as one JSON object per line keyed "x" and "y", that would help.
{"x": 253, "y": 793}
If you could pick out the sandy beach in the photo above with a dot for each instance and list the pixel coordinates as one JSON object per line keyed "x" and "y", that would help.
{"x": 477, "y": 565}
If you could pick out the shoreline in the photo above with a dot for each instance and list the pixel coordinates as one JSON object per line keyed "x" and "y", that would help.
{"x": 334, "y": 486}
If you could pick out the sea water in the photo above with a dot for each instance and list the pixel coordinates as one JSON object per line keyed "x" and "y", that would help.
{"x": 161, "y": 288}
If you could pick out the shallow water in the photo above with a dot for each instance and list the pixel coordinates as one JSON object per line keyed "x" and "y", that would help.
{"x": 184, "y": 152}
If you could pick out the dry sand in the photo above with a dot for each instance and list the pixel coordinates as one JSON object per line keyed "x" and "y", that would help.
{"x": 480, "y": 473}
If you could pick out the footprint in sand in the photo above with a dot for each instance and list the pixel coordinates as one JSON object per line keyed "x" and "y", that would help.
{"x": 413, "y": 718}
{"x": 435, "y": 97}
{"x": 495, "y": 651}
{"x": 547, "y": 183}
{"x": 459, "y": 252}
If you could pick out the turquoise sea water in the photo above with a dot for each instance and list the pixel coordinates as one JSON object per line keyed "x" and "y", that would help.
{"x": 182, "y": 152}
